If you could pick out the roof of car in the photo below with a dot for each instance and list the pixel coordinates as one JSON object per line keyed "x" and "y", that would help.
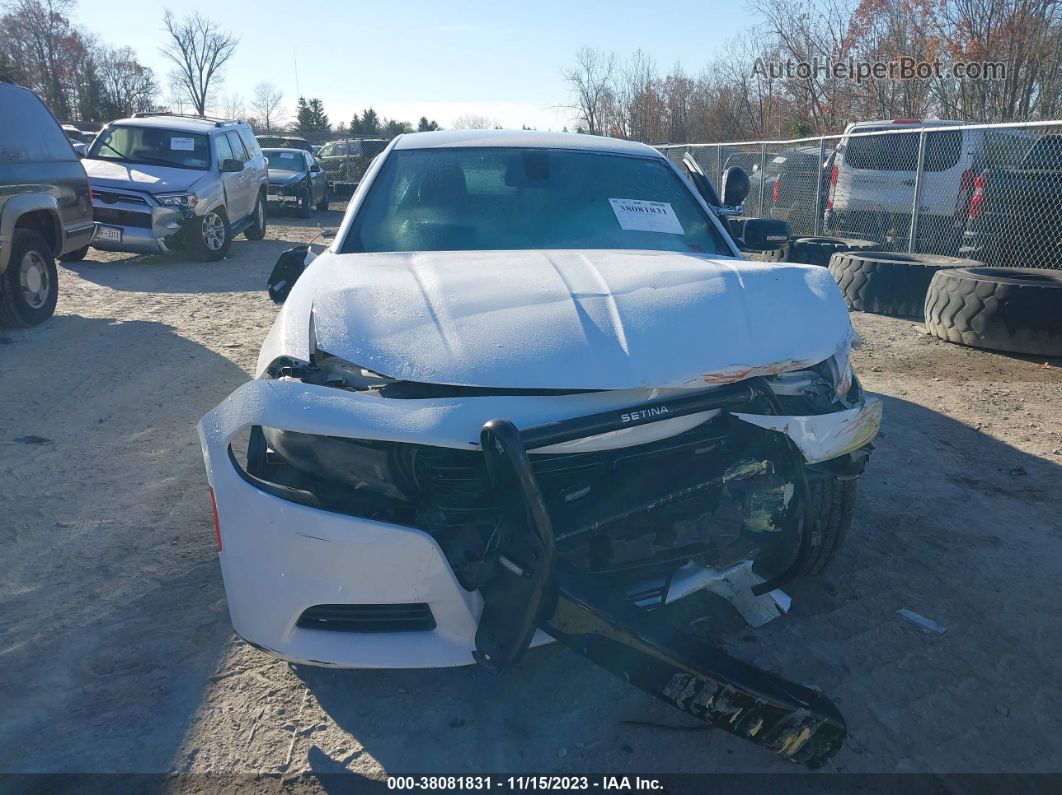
{"x": 180, "y": 123}
{"x": 443, "y": 139}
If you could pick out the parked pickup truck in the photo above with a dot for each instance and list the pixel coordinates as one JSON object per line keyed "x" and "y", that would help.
{"x": 1013, "y": 213}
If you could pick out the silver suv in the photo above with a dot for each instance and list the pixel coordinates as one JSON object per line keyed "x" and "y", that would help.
{"x": 164, "y": 182}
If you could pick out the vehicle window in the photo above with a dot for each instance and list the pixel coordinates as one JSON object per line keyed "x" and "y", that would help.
{"x": 326, "y": 150}
{"x": 224, "y": 151}
{"x": 501, "y": 198}
{"x": 899, "y": 152}
{"x": 1006, "y": 147}
{"x": 152, "y": 146}
{"x": 28, "y": 132}
{"x": 249, "y": 143}
{"x": 372, "y": 148}
{"x": 237, "y": 147}
{"x": 279, "y": 158}
{"x": 1045, "y": 154}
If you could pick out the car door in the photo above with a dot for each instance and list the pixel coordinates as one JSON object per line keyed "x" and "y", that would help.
{"x": 232, "y": 183}
{"x": 317, "y": 178}
{"x": 242, "y": 200}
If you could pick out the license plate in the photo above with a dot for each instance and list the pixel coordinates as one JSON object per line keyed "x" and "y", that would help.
{"x": 112, "y": 233}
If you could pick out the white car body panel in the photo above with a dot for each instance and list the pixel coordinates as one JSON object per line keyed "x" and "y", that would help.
{"x": 279, "y": 558}
{"x": 632, "y": 326}
{"x": 562, "y": 319}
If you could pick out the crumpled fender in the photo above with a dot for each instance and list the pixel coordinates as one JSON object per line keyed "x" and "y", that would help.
{"x": 821, "y": 437}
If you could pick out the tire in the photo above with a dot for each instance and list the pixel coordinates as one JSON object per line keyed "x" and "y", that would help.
{"x": 205, "y": 242}
{"x": 323, "y": 204}
{"x": 76, "y": 255}
{"x": 29, "y": 288}
{"x": 818, "y": 250}
{"x": 1018, "y": 310}
{"x": 888, "y": 283}
{"x": 776, "y": 255}
{"x": 827, "y": 517}
{"x": 257, "y": 230}
{"x": 305, "y": 206}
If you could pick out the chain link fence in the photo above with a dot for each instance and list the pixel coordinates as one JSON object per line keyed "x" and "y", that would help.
{"x": 343, "y": 157}
{"x": 989, "y": 192}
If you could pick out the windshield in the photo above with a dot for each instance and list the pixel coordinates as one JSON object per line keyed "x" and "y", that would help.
{"x": 290, "y": 161}
{"x": 500, "y": 198}
{"x": 153, "y": 146}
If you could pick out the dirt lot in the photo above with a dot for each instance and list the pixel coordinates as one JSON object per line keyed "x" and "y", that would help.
{"x": 118, "y": 656}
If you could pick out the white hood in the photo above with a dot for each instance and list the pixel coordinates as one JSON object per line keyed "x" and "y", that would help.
{"x": 132, "y": 176}
{"x": 595, "y": 319}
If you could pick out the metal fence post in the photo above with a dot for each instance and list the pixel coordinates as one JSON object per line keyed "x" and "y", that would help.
{"x": 763, "y": 173}
{"x": 718, "y": 164}
{"x": 817, "y": 229}
{"x": 917, "y": 200}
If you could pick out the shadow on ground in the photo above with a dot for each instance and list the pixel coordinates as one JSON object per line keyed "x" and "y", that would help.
{"x": 950, "y": 523}
{"x": 112, "y": 613}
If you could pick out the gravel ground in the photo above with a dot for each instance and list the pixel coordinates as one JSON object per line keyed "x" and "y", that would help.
{"x": 118, "y": 655}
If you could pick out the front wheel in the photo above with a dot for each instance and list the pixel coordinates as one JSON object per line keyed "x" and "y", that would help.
{"x": 305, "y": 206}
{"x": 257, "y": 229}
{"x": 29, "y": 288}
{"x": 323, "y": 204}
{"x": 76, "y": 255}
{"x": 210, "y": 236}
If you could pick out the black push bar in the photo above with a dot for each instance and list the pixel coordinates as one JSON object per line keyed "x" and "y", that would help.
{"x": 529, "y": 592}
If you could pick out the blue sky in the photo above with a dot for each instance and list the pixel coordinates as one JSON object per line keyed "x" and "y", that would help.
{"x": 407, "y": 59}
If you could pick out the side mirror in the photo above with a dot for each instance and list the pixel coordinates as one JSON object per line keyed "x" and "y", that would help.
{"x": 231, "y": 166}
{"x": 287, "y": 271}
{"x": 735, "y": 186}
{"x": 763, "y": 234}
{"x": 315, "y": 169}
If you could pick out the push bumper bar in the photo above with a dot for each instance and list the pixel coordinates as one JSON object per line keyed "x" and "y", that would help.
{"x": 530, "y": 592}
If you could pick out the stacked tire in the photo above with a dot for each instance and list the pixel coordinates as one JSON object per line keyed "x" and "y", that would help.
{"x": 1017, "y": 310}
{"x": 889, "y": 283}
{"x": 819, "y": 250}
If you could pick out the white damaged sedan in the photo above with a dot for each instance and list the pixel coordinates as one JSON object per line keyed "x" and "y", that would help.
{"x": 532, "y": 390}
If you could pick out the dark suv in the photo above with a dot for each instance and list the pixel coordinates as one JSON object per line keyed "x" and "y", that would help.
{"x": 45, "y": 207}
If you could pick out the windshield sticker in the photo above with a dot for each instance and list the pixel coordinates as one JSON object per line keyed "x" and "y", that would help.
{"x": 635, "y": 215}
{"x": 182, "y": 144}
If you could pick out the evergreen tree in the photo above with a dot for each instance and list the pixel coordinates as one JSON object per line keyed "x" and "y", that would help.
{"x": 427, "y": 126}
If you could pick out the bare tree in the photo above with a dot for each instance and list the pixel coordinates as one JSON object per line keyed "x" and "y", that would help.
{"x": 473, "y": 121}
{"x": 266, "y": 103}
{"x": 232, "y": 106}
{"x": 199, "y": 49}
{"x": 591, "y": 86}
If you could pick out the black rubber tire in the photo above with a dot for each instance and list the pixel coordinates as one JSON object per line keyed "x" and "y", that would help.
{"x": 257, "y": 230}
{"x": 890, "y": 283}
{"x": 827, "y": 517}
{"x": 323, "y": 204}
{"x": 76, "y": 255}
{"x": 305, "y": 206}
{"x": 818, "y": 250}
{"x": 775, "y": 255}
{"x": 1018, "y": 310}
{"x": 15, "y": 310}
{"x": 198, "y": 247}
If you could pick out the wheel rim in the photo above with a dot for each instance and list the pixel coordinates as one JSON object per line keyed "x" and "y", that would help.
{"x": 34, "y": 279}
{"x": 213, "y": 231}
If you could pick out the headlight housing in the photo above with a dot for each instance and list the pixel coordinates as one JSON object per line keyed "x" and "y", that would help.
{"x": 184, "y": 200}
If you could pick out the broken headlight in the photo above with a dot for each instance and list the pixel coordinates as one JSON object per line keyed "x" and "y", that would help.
{"x": 828, "y": 386}
{"x": 382, "y": 468}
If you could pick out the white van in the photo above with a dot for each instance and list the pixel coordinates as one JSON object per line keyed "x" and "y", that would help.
{"x": 873, "y": 180}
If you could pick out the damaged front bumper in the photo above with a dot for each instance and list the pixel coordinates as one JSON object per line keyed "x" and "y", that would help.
{"x": 296, "y": 572}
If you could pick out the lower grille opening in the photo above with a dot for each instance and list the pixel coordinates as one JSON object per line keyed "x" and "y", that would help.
{"x": 413, "y": 617}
